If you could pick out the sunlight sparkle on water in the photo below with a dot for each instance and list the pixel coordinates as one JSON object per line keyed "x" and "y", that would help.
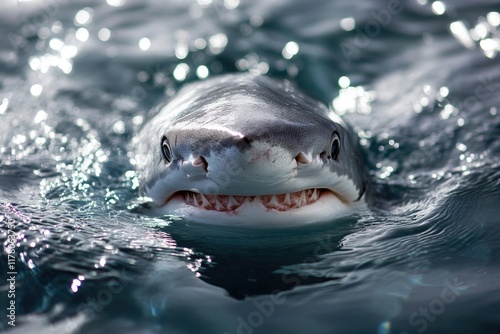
{"x": 82, "y": 34}
{"x": 4, "y": 105}
{"x": 344, "y": 82}
{"x": 35, "y": 63}
{"x": 490, "y": 47}
{"x": 181, "y": 71}
{"x": 75, "y": 285}
{"x": 438, "y": 7}
{"x": 291, "y": 49}
{"x": 83, "y": 17}
{"x": 202, "y": 72}
{"x": 144, "y": 43}
{"x": 36, "y": 90}
{"x": 104, "y": 34}
{"x": 461, "y": 33}
{"x": 481, "y": 30}
{"x": 69, "y": 51}
{"x": 256, "y": 20}
{"x": 41, "y": 116}
{"x": 447, "y": 111}
{"x": 119, "y": 127}
{"x": 138, "y": 120}
{"x": 353, "y": 99}
{"x": 181, "y": 51}
{"x": 56, "y": 44}
{"x": 115, "y": 3}
{"x": 493, "y": 19}
{"x": 217, "y": 43}
{"x": 348, "y": 23}
{"x": 444, "y": 91}
{"x": 484, "y": 33}
{"x": 231, "y": 4}
{"x": 200, "y": 43}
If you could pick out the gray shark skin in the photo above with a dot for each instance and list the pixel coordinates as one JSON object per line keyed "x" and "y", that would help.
{"x": 243, "y": 149}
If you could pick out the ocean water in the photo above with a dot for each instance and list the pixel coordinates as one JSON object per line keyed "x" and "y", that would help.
{"x": 417, "y": 80}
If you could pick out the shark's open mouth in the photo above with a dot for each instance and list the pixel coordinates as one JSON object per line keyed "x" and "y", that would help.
{"x": 279, "y": 202}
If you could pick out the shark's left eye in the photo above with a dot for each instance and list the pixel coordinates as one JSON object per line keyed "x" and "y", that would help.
{"x": 166, "y": 149}
{"x": 335, "y": 150}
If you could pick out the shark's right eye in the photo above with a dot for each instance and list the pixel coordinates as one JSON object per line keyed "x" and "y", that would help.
{"x": 166, "y": 149}
{"x": 334, "y": 153}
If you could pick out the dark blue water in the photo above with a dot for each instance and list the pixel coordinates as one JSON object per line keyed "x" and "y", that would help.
{"x": 419, "y": 81}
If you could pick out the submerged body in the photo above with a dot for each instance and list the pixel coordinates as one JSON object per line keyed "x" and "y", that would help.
{"x": 249, "y": 150}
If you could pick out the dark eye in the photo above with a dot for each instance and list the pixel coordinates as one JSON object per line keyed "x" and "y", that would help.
{"x": 166, "y": 149}
{"x": 334, "y": 153}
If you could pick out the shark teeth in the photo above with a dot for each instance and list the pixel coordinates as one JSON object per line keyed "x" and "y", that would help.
{"x": 279, "y": 202}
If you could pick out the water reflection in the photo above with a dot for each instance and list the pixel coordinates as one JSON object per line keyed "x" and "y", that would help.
{"x": 202, "y": 72}
{"x": 485, "y": 34}
{"x": 438, "y": 7}
{"x": 144, "y": 43}
{"x": 291, "y": 49}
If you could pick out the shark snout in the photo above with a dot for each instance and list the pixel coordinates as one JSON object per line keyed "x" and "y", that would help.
{"x": 254, "y": 167}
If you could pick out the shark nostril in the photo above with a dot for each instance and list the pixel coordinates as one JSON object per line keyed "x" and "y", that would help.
{"x": 301, "y": 158}
{"x": 324, "y": 156}
{"x": 200, "y": 161}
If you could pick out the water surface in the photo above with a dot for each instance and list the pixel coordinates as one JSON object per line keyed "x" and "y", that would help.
{"x": 418, "y": 81}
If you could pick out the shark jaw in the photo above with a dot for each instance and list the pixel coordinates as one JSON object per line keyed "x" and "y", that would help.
{"x": 227, "y": 203}
{"x": 306, "y": 206}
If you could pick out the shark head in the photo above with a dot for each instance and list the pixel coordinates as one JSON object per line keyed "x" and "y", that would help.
{"x": 249, "y": 150}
